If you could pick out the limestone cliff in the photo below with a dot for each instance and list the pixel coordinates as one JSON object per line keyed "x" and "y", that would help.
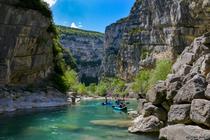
{"x": 154, "y": 29}
{"x": 87, "y": 48}
{"x": 28, "y": 56}
{"x": 25, "y": 44}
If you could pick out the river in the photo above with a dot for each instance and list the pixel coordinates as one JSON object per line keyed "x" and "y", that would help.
{"x": 68, "y": 123}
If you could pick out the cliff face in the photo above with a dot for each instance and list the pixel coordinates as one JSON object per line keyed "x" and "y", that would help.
{"x": 87, "y": 48}
{"x": 153, "y": 30}
{"x": 25, "y": 45}
{"x": 27, "y": 56}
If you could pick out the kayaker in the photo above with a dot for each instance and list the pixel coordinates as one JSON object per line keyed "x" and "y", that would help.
{"x": 122, "y": 105}
{"x": 118, "y": 101}
{"x": 106, "y": 100}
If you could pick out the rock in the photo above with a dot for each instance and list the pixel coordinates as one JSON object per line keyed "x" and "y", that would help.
{"x": 179, "y": 114}
{"x": 188, "y": 77}
{"x": 27, "y": 100}
{"x": 205, "y": 66}
{"x": 149, "y": 63}
{"x": 146, "y": 125}
{"x": 184, "y": 132}
{"x": 173, "y": 89}
{"x": 200, "y": 111}
{"x": 140, "y": 107}
{"x": 172, "y": 78}
{"x": 133, "y": 114}
{"x": 157, "y": 94}
{"x": 182, "y": 65}
{"x": 166, "y": 105}
{"x": 193, "y": 89}
{"x": 150, "y": 109}
{"x": 208, "y": 78}
{"x": 207, "y": 92}
{"x": 26, "y": 52}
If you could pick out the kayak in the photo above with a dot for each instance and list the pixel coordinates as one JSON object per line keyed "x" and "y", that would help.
{"x": 108, "y": 103}
{"x": 120, "y": 108}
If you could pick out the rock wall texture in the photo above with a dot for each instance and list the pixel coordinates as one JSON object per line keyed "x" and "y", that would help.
{"x": 87, "y": 48}
{"x": 25, "y": 45}
{"x": 183, "y": 97}
{"x": 154, "y": 29}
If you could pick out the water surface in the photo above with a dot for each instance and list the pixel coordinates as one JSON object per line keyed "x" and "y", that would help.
{"x": 68, "y": 123}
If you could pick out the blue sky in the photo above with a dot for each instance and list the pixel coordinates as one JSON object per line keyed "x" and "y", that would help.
{"x": 89, "y": 14}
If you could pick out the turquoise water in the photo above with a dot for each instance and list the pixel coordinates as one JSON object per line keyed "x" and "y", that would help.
{"x": 68, "y": 123}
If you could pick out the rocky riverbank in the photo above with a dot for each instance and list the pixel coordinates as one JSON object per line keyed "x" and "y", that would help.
{"x": 18, "y": 99}
{"x": 182, "y": 99}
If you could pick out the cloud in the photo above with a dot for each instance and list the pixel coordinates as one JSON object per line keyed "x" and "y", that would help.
{"x": 74, "y": 25}
{"x": 50, "y": 2}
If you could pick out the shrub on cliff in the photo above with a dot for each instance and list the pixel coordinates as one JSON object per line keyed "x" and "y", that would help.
{"x": 66, "y": 81}
{"x": 162, "y": 69}
{"x": 148, "y": 78}
{"x": 64, "y": 77}
{"x": 141, "y": 81}
{"x": 38, "y": 5}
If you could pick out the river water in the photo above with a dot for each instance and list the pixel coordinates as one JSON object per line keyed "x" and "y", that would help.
{"x": 68, "y": 123}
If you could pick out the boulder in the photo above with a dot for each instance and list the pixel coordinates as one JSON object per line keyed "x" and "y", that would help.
{"x": 146, "y": 124}
{"x": 157, "y": 94}
{"x": 184, "y": 70}
{"x": 179, "y": 114}
{"x": 150, "y": 109}
{"x": 207, "y": 92}
{"x": 185, "y": 59}
{"x": 166, "y": 105}
{"x": 193, "y": 89}
{"x": 173, "y": 89}
{"x": 205, "y": 66}
{"x": 200, "y": 111}
{"x": 184, "y": 132}
{"x": 133, "y": 114}
{"x": 208, "y": 78}
{"x": 141, "y": 103}
{"x": 171, "y": 78}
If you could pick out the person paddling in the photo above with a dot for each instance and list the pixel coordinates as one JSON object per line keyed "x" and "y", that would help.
{"x": 106, "y": 100}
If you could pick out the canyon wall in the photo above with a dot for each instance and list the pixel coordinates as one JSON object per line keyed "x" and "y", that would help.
{"x": 25, "y": 44}
{"x": 154, "y": 29}
{"x": 27, "y": 56}
{"x": 87, "y": 49}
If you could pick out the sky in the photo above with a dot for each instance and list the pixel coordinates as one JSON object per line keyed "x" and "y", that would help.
{"x": 92, "y": 15}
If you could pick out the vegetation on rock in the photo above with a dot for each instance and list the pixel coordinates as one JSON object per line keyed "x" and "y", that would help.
{"x": 78, "y": 32}
{"x": 147, "y": 78}
{"x": 38, "y": 5}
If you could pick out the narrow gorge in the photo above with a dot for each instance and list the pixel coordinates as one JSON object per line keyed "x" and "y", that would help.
{"x": 157, "y": 56}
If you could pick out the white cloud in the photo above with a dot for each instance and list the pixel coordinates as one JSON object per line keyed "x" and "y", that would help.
{"x": 50, "y": 2}
{"x": 74, "y": 25}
